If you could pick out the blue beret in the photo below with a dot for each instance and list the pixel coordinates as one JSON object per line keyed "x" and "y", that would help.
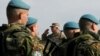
{"x": 19, "y": 4}
{"x": 31, "y": 21}
{"x": 91, "y": 18}
{"x": 71, "y": 25}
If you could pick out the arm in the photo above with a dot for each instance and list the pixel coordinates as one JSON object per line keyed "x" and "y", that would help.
{"x": 25, "y": 43}
{"x": 27, "y": 46}
{"x": 44, "y": 35}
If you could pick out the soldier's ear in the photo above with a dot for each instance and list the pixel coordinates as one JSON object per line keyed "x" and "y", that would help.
{"x": 93, "y": 26}
{"x": 21, "y": 15}
{"x": 32, "y": 28}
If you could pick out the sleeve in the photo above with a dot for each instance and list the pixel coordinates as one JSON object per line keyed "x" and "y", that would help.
{"x": 27, "y": 46}
{"x": 25, "y": 42}
{"x": 44, "y": 37}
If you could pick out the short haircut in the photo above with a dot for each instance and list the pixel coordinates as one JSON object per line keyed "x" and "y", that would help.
{"x": 13, "y": 12}
{"x": 85, "y": 25}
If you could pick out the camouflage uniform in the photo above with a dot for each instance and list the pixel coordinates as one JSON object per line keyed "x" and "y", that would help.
{"x": 52, "y": 44}
{"x": 56, "y": 38}
{"x": 71, "y": 30}
{"x": 68, "y": 45}
{"x": 37, "y": 43}
{"x": 84, "y": 45}
{"x": 38, "y": 46}
{"x": 87, "y": 45}
{"x": 18, "y": 40}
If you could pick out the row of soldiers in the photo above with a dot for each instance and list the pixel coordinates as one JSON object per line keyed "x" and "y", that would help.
{"x": 81, "y": 39}
{"x": 20, "y": 37}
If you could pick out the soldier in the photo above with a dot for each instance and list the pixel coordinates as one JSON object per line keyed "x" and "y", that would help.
{"x": 16, "y": 40}
{"x": 37, "y": 43}
{"x": 87, "y": 44}
{"x": 56, "y": 34}
{"x": 53, "y": 40}
{"x": 71, "y": 30}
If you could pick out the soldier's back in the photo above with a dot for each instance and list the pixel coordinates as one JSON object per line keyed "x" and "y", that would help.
{"x": 16, "y": 40}
{"x": 86, "y": 45}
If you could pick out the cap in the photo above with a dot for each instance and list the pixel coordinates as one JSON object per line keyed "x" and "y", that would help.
{"x": 31, "y": 21}
{"x": 19, "y": 4}
{"x": 55, "y": 25}
{"x": 71, "y": 25}
{"x": 90, "y": 18}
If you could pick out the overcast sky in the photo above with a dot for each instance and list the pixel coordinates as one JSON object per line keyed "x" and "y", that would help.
{"x": 61, "y": 11}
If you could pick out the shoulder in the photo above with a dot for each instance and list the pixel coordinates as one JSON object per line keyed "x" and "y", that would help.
{"x": 82, "y": 40}
{"x": 96, "y": 45}
{"x": 18, "y": 30}
{"x": 63, "y": 35}
{"x": 90, "y": 47}
{"x": 88, "y": 44}
{"x": 83, "y": 37}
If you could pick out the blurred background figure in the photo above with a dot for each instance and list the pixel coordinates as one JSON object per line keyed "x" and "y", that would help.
{"x": 56, "y": 34}
{"x": 38, "y": 45}
{"x": 53, "y": 40}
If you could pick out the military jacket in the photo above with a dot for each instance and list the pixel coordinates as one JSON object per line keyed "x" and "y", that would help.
{"x": 18, "y": 40}
{"x": 87, "y": 45}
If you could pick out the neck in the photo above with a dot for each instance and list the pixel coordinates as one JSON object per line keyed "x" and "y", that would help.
{"x": 33, "y": 34}
{"x": 93, "y": 31}
{"x": 12, "y": 21}
{"x": 56, "y": 33}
